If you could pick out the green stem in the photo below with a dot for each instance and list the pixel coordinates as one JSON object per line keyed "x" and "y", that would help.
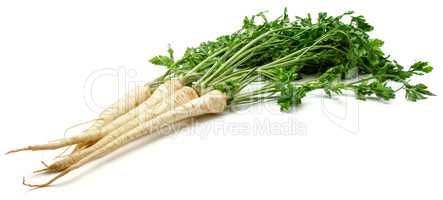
{"x": 201, "y": 64}
{"x": 217, "y": 63}
{"x": 237, "y": 56}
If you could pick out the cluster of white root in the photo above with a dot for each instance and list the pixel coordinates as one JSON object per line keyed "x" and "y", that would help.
{"x": 137, "y": 114}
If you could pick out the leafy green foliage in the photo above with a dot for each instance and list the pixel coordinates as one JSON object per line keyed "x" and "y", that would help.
{"x": 330, "y": 50}
{"x": 167, "y": 61}
{"x": 285, "y": 75}
{"x": 291, "y": 96}
{"x": 382, "y": 90}
{"x": 421, "y": 68}
{"x": 162, "y": 60}
{"x": 363, "y": 90}
{"x": 360, "y": 23}
{"x": 417, "y": 92}
{"x": 229, "y": 88}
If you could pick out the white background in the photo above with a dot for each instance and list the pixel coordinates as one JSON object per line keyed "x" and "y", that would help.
{"x": 337, "y": 148}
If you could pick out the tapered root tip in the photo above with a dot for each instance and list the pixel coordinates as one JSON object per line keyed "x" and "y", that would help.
{"x": 46, "y": 169}
{"x": 34, "y": 186}
{"x": 17, "y": 150}
{"x": 44, "y": 164}
{"x": 40, "y": 170}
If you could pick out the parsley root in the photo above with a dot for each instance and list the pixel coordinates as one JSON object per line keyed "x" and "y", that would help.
{"x": 278, "y": 54}
{"x": 126, "y": 103}
{"x": 178, "y": 98}
{"x": 94, "y": 133}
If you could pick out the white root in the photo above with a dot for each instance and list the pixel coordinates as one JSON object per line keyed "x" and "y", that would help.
{"x": 212, "y": 102}
{"x": 119, "y": 111}
{"x": 179, "y": 98}
{"x": 161, "y": 132}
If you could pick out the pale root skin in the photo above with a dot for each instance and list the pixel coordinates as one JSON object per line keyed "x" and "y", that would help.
{"x": 122, "y": 113}
{"x": 123, "y": 105}
{"x": 164, "y": 91}
{"x": 81, "y": 146}
{"x": 212, "y": 102}
{"x": 180, "y": 97}
{"x": 132, "y": 99}
{"x": 163, "y": 131}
